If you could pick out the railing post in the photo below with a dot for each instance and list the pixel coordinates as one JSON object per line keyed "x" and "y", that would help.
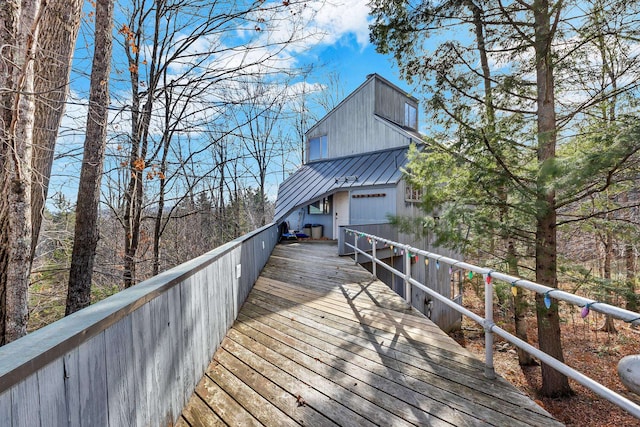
{"x": 373, "y": 252}
{"x": 489, "y": 371}
{"x": 407, "y": 276}
{"x": 355, "y": 239}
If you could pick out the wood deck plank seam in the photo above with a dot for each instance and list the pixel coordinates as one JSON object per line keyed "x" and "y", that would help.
{"x": 248, "y": 398}
{"x": 383, "y": 327}
{"x": 394, "y": 390}
{"x": 224, "y": 405}
{"x": 321, "y": 342}
{"x": 329, "y": 278}
{"x": 404, "y": 315}
{"x": 497, "y": 388}
{"x": 276, "y": 395}
{"x": 381, "y": 408}
{"x": 314, "y": 268}
{"x": 401, "y": 307}
{"x": 378, "y": 338}
{"x": 479, "y": 375}
{"x": 319, "y": 399}
{"x": 327, "y": 283}
{"x": 198, "y": 414}
{"x": 373, "y": 318}
{"x": 495, "y": 403}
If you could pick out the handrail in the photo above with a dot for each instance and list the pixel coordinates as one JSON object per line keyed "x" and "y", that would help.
{"x": 487, "y": 322}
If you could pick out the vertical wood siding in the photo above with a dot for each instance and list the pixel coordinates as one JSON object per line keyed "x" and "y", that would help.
{"x": 390, "y": 102}
{"x": 352, "y": 127}
{"x": 134, "y": 358}
{"x": 435, "y": 278}
{"x": 372, "y": 210}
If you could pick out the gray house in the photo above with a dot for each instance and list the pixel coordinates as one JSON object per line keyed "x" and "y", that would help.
{"x": 352, "y": 175}
{"x": 354, "y": 155}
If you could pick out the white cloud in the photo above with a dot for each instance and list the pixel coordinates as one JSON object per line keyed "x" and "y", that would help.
{"x": 315, "y": 23}
{"x": 340, "y": 19}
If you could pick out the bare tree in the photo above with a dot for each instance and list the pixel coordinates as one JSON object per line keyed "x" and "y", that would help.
{"x": 197, "y": 43}
{"x": 52, "y": 67}
{"x": 19, "y": 30}
{"x": 86, "y": 227}
{"x": 262, "y": 109}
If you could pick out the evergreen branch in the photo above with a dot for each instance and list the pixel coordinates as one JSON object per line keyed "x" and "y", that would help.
{"x": 592, "y": 215}
{"x": 608, "y": 181}
{"x": 506, "y": 168}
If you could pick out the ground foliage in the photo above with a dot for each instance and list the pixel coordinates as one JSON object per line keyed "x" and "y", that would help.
{"x": 586, "y": 349}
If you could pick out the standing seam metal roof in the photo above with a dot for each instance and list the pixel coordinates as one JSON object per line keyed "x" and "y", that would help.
{"x": 318, "y": 179}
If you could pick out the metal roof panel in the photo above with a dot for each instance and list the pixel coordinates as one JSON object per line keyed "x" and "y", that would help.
{"x": 319, "y": 179}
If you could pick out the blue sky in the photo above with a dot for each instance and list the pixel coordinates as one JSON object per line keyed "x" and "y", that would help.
{"x": 348, "y": 50}
{"x": 344, "y": 49}
{"x": 354, "y": 63}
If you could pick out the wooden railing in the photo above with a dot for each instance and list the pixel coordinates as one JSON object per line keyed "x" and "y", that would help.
{"x": 133, "y": 358}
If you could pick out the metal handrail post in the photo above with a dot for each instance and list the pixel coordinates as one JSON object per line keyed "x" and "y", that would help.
{"x": 407, "y": 276}
{"x": 355, "y": 255}
{"x": 375, "y": 258}
{"x": 489, "y": 370}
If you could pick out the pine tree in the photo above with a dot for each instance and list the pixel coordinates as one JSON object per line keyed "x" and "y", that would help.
{"x": 507, "y": 179}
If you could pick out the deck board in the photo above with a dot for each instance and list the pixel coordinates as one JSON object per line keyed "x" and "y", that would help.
{"x": 320, "y": 343}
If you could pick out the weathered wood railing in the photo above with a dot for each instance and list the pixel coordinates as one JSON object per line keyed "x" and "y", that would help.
{"x": 133, "y": 358}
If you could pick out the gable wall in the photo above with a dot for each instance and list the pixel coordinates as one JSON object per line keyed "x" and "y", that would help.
{"x": 390, "y": 103}
{"x": 352, "y": 127}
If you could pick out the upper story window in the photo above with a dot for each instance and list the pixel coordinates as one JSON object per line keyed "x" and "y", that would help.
{"x": 410, "y": 116}
{"x": 318, "y": 148}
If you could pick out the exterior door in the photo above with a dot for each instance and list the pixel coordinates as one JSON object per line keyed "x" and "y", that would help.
{"x": 340, "y": 211}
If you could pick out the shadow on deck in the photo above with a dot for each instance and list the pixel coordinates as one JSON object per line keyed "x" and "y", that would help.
{"x": 319, "y": 342}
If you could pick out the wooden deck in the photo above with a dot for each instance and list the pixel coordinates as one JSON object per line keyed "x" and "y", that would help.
{"x": 319, "y": 343}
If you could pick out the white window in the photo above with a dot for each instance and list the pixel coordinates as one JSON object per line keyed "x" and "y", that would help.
{"x": 410, "y": 116}
{"x": 318, "y": 148}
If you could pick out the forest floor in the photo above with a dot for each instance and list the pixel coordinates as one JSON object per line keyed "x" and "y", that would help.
{"x": 586, "y": 349}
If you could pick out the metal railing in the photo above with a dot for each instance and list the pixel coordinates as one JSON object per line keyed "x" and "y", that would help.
{"x": 487, "y": 322}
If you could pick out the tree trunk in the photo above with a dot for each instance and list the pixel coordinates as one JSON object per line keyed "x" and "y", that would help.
{"x": 86, "y": 227}
{"x": 519, "y": 308}
{"x": 18, "y": 37}
{"x": 608, "y": 326}
{"x": 630, "y": 266}
{"x": 52, "y": 67}
{"x": 157, "y": 227}
{"x": 553, "y": 382}
{"x": 519, "y": 302}
{"x": 140, "y": 121}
